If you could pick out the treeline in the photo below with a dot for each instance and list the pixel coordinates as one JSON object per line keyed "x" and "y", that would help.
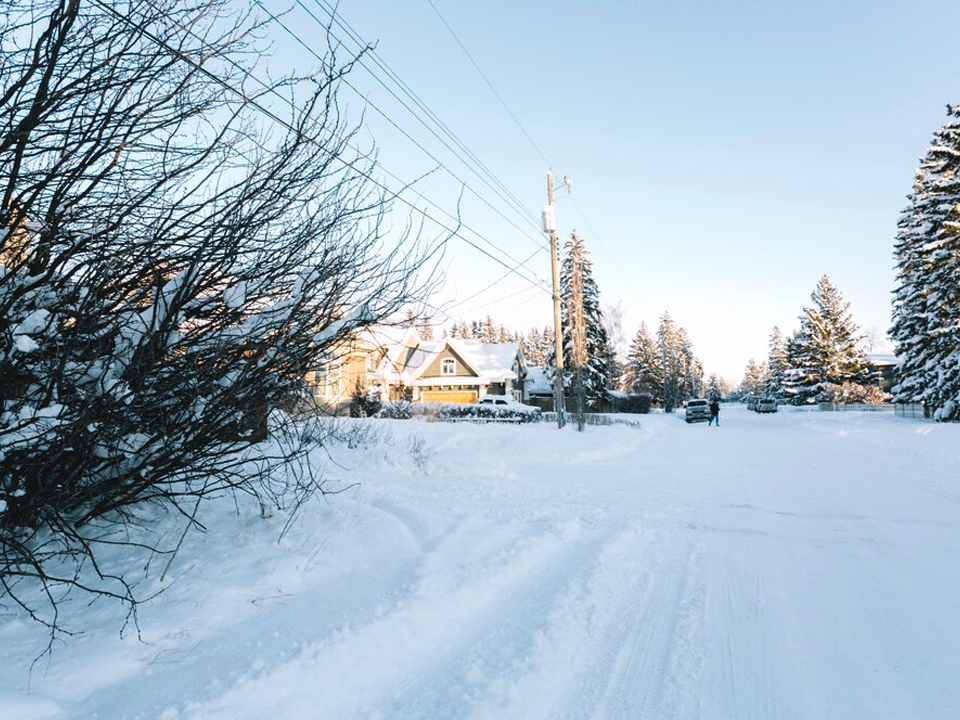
{"x": 824, "y": 360}
{"x": 661, "y": 367}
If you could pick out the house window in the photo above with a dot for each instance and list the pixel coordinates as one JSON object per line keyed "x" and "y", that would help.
{"x": 448, "y": 366}
{"x": 327, "y": 380}
{"x": 373, "y": 361}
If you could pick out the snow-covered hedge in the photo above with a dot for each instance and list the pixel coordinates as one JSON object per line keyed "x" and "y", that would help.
{"x": 514, "y": 412}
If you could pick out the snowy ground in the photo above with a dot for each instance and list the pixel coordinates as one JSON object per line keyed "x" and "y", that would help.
{"x": 797, "y": 565}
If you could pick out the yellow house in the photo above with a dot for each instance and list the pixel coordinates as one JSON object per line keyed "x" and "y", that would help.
{"x": 396, "y": 364}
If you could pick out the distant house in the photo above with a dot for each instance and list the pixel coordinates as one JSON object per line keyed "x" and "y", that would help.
{"x": 359, "y": 364}
{"x": 884, "y": 365}
{"x": 461, "y": 371}
{"x": 538, "y": 389}
{"x": 396, "y": 363}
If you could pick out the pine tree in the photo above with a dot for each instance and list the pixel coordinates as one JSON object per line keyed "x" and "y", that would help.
{"x": 643, "y": 365}
{"x": 926, "y": 304}
{"x": 827, "y": 349}
{"x": 777, "y": 364}
{"x": 426, "y": 329}
{"x": 692, "y": 369}
{"x": 671, "y": 361}
{"x": 548, "y": 344}
{"x": 584, "y": 334}
{"x": 756, "y": 376}
{"x": 488, "y": 331}
{"x": 718, "y": 387}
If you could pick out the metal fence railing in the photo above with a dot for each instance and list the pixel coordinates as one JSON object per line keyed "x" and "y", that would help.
{"x": 592, "y": 419}
{"x": 911, "y": 410}
{"x": 860, "y": 407}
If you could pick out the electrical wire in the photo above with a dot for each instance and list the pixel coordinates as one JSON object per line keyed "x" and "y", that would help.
{"x": 340, "y": 21}
{"x": 287, "y": 125}
{"x": 502, "y": 191}
{"x": 489, "y": 84}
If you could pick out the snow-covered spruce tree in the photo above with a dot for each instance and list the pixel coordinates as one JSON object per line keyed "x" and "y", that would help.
{"x": 827, "y": 349}
{"x": 585, "y": 345}
{"x": 717, "y": 387}
{"x": 756, "y": 377}
{"x": 672, "y": 363}
{"x": 173, "y": 263}
{"x": 926, "y": 301}
{"x": 777, "y": 365}
{"x": 425, "y": 329}
{"x": 644, "y": 371}
{"x": 692, "y": 368}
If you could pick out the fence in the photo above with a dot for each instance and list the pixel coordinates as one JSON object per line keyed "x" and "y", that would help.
{"x": 591, "y": 419}
{"x": 860, "y": 407}
{"x": 477, "y": 420}
{"x": 911, "y": 410}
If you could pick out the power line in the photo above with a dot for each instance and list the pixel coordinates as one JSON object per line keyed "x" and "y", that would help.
{"x": 600, "y": 242}
{"x": 483, "y": 75}
{"x": 341, "y": 22}
{"x": 490, "y": 303}
{"x": 500, "y": 190}
{"x": 287, "y": 125}
{"x": 487, "y": 287}
{"x": 489, "y": 84}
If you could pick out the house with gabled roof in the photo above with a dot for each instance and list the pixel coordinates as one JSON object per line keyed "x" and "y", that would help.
{"x": 461, "y": 371}
{"x": 397, "y": 364}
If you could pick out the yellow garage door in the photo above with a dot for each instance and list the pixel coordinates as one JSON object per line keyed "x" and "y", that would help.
{"x": 450, "y": 396}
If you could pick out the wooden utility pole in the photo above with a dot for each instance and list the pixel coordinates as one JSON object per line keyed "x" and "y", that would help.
{"x": 557, "y": 327}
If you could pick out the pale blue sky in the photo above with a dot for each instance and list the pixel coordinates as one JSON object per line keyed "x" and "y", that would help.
{"x": 724, "y": 155}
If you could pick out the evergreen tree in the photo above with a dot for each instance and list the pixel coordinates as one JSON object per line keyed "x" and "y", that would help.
{"x": 756, "y": 377}
{"x": 643, "y": 374}
{"x": 777, "y": 365}
{"x": 717, "y": 387}
{"x": 584, "y": 334}
{"x": 426, "y": 329}
{"x": 926, "y": 304}
{"x": 826, "y": 349}
{"x": 692, "y": 368}
{"x": 488, "y": 331}
{"x": 672, "y": 365}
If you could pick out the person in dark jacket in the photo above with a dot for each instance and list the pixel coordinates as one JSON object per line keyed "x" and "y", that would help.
{"x": 714, "y": 412}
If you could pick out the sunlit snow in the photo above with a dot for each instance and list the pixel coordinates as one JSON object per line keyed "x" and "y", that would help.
{"x": 795, "y": 565}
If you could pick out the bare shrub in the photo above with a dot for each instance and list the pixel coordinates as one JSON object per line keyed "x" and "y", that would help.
{"x": 178, "y": 248}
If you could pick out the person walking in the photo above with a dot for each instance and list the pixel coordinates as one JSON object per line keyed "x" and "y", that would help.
{"x": 714, "y": 412}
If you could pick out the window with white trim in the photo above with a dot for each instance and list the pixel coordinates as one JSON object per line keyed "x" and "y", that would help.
{"x": 448, "y": 366}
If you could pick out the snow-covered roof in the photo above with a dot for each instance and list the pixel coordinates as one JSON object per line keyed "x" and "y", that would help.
{"x": 492, "y": 362}
{"x": 387, "y": 335}
{"x": 883, "y": 359}
{"x": 538, "y": 382}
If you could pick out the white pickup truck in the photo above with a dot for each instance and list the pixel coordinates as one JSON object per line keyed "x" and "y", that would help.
{"x": 698, "y": 410}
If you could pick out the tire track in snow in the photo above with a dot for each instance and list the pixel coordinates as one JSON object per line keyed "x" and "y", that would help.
{"x": 456, "y": 676}
{"x": 431, "y": 632}
{"x": 747, "y": 689}
{"x": 638, "y": 667}
{"x": 608, "y": 647}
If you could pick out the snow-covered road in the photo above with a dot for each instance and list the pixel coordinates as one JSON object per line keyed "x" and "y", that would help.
{"x": 797, "y": 565}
